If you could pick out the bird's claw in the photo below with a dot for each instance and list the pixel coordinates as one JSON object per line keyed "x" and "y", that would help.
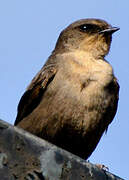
{"x": 102, "y": 167}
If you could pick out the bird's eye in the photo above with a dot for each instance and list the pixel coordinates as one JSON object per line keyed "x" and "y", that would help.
{"x": 84, "y": 27}
{"x": 89, "y": 28}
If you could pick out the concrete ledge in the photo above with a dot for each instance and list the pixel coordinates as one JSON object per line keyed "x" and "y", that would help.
{"x": 27, "y": 157}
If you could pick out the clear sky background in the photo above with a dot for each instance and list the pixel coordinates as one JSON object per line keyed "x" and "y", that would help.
{"x": 28, "y": 33}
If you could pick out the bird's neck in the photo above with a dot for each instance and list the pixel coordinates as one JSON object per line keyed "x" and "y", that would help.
{"x": 84, "y": 56}
{"x": 97, "y": 46}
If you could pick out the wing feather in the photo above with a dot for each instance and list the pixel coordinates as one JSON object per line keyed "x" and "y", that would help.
{"x": 34, "y": 93}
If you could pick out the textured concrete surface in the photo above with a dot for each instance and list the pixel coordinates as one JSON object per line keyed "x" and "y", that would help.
{"x": 27, "y": 157}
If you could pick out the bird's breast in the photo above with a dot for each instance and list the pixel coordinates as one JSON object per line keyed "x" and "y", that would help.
{"x": 81, "y": 96}
{"x": 83, "y": 73}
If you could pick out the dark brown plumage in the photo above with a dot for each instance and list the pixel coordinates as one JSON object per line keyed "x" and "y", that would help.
{"x": 73, "y": 98}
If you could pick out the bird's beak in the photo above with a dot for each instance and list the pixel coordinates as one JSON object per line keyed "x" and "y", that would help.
{"x": 109, "y": 30}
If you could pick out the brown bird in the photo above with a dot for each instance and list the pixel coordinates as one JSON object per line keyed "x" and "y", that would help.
{"x": 74, "y": 97}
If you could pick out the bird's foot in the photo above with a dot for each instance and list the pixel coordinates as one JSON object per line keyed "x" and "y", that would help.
{"x": 102, "y": 167}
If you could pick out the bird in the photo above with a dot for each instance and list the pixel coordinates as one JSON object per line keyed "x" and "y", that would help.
{"x": 74, "y": 97}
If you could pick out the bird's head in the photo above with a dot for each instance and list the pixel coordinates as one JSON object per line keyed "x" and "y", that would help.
{"x": 91, "y": 35}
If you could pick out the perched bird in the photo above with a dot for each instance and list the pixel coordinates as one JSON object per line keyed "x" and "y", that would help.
{"x": 74, "y": 97}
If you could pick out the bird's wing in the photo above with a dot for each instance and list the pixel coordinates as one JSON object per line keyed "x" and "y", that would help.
{"x": 34, "y": 93}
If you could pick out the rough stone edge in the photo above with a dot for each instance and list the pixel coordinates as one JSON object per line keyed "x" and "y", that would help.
{"x": 25, "y": 156}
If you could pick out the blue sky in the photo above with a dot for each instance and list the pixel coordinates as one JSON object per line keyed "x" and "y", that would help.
{"x": 28, "y": 33}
